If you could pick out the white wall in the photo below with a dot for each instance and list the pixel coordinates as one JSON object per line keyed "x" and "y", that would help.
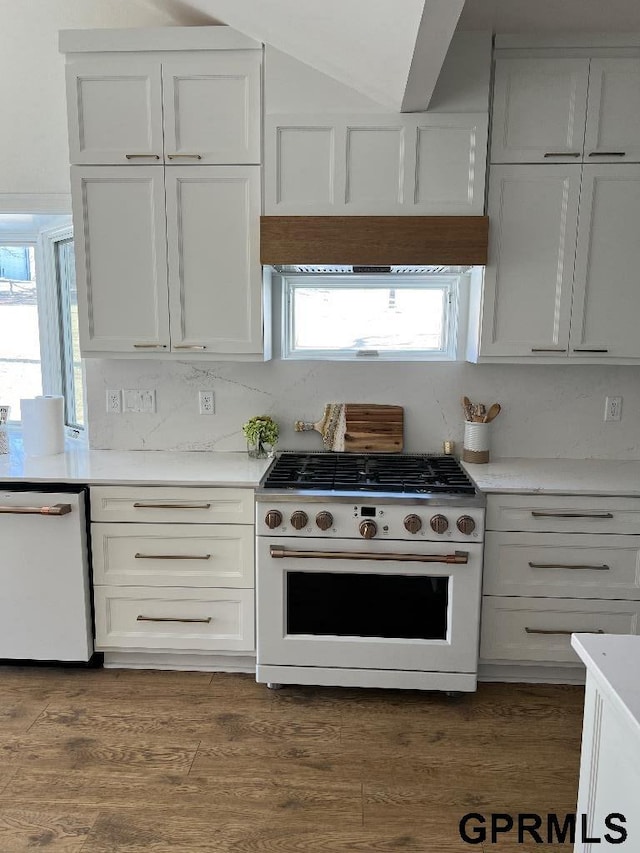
{"x": 549, "y": 411}
{"x": 34, "y": 154}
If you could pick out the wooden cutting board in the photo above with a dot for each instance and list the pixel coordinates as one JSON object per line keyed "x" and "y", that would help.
{"x": 359, "y": 427}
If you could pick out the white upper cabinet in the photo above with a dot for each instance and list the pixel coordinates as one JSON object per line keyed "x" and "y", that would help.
{"x": 210, "y": 103}
{"x": 613, "y": 115}
{"x": 539, "y": 110}
{"x": 115, "y": 111}
{"x": 414, "y": 164}
{"x": 121, "y": 259}
{"x": 606, "y": 302}
{"x": 533, "y": 211}
{"x": 212, "y": 108}
{"x": 215, "y": 277}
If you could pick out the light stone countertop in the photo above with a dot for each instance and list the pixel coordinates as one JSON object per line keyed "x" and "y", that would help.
{"x": 136, "y": 467}
{"x": 558, "y": 476}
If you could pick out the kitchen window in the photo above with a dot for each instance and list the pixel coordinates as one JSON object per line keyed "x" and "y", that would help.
{"x": 39, "y": 347}
{"x": 388, "y": 316}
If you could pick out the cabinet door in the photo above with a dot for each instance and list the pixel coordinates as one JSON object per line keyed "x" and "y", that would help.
{"x": 533, "y": 212}
{"x": 606, "y": 292}
{"x": 121, "y": 258}
{"x": 613, "y": 114}
{"x": 215, "y": 278}
{"x": 115, "y": 111}
{"x": 212, "y": 108}
{"x": 539, "y": 110}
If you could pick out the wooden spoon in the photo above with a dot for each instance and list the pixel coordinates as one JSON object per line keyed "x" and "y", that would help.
{"x": 493, "y": 413}
{"x": 467, "y": 408}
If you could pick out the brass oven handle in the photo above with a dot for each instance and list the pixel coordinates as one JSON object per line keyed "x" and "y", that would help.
{"x": 278, "y": 553}
{"x": 562, "y": 154}
{"x": 187, "y": 156}
{"x": 603, "y": 568}
{"x": 204, "y": 621}
{"x": 537, "y": 514}
{"x": 56, "y": 509}
{"x": 146, "y": 156}
{"x": 172, "y": 557}
{"x": 141, "y": 505}
{"x": 561, "y": 631}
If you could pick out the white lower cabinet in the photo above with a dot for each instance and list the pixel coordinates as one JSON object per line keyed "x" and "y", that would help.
{"x": 556, "y": 565}
{"x": 173, "y": 569}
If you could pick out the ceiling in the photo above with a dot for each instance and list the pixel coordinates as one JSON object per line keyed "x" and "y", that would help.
{"x": 557, "y": 16}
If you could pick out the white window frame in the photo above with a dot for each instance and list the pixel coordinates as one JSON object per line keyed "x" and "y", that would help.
{"x": 457, "y": 306}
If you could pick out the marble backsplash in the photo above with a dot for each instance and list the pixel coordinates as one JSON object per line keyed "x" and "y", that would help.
{"x": 548, "y": 411}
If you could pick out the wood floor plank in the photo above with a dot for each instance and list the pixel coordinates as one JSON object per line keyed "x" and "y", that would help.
{"x": 23, "y": 830}
{"x": 18, "y": 714}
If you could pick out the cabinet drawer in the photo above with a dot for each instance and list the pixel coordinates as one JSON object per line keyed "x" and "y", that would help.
{"x": 174, "y": 619}
{"x": 538, "y": 629}
{"x": 175, "y": 505}
{"x": 198, "y": 555}
{"x": 562, "y": 565}
{"x": 563, "y": 514}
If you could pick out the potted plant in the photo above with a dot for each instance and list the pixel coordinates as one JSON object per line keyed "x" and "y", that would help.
{"x": 261, "y": 433}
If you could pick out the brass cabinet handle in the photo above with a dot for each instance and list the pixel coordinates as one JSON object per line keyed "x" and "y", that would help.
{"x": 150, "y": 346}
{"x": 279, "y": 553}
{"x": 56, "y": 509}
{"x": 547, "y": 349}
{"x": 189, "y": 346}
{"x": 172, "y": 557}
{"x": 608, "y": 154}
{"x": 590, "y": 350}
{"x": 561, "y": 631}
{"x": 186, "y": 156}
{"x": 539, "y": 514}
{"x": 205, "y": 621}
{"x": 603, "y": 568}
{"x": 146, "y": 156}
{"x": 142, "y": 505}
{"x": 562, "y": 154}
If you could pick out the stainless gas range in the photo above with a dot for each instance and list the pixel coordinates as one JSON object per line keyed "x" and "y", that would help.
{"x": 369, "y": 571}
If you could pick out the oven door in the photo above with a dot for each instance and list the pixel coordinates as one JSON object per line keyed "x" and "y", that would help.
{"x": 384, "y": 605}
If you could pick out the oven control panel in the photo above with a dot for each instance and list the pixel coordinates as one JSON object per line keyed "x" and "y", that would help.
{"x": 371, "y": 521}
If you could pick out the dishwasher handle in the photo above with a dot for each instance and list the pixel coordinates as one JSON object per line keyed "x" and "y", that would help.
{"x": 56, "y": 509}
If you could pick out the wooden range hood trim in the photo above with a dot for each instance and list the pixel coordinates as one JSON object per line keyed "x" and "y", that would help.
{"x": 374, "y": 240}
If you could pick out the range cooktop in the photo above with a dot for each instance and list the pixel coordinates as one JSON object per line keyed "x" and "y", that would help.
{"x": 395, "y": 474}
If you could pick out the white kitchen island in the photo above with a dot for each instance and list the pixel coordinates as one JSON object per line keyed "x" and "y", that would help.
{"x": 610, "y": 760}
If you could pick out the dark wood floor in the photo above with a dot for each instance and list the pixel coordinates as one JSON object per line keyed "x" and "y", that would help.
{"x": 109, "y": 761}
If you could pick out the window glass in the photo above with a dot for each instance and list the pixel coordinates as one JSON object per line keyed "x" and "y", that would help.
{"x": 71, "y": 367}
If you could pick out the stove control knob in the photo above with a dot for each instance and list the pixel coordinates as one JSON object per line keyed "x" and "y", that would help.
{"x": 273, "y": 519}
{"x": 368, "y": 529}
{"x": 439, "y": 524}
{"x": 413, "y": 523}
{"x": 466, "y": 525}
{"x": 299, "y": 519}
{"x": 324, "y": 520}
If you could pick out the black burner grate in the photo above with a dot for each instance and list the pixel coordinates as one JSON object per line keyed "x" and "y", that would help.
{"x": 344, "y": 472}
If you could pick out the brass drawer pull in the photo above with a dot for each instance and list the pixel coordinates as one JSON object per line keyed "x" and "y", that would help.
{"x": 186, "y": 156}
{"x": 590, "y": 350}
{"x": 146, "y": 156}
{"x": 595, "y": 515}
{"x": 56, "y": 509}
{"x": 547, "y": 349}
{"x": 141, "y": 505}
{"x": 150, "y": 346}
{"x": 603, "y": 568}
{"x": 189, "y": 346}
{"x": 173, "y": 557}
{"x": 561, "y": 631}
{"x": 608, "y": 154}
{"x": 562, "y": 154}
{"x": 279, "y": 553}
{"x": 204, "y": 621}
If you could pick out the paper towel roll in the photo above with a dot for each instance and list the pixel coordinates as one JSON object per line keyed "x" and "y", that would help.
{"x": 42, "y": 425}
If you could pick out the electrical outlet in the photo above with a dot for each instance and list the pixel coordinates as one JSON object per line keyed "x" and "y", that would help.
{"x": 207, "y": 402}
{"x": 613, "y": 408}
{"x": 114, "y": 402}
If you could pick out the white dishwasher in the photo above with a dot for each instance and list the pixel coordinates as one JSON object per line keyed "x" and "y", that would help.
{"x": 45, "y": 602}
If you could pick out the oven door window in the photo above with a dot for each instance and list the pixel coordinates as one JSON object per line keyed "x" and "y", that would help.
{"x": 367, "y": 605}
